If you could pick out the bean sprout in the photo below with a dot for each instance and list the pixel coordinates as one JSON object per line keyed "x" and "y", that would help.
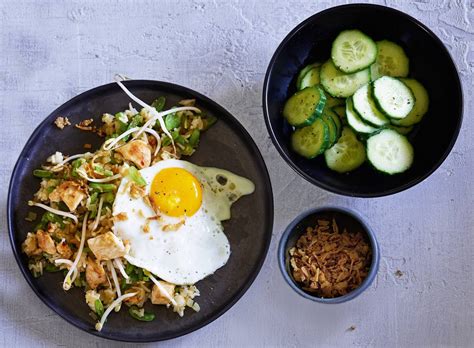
{"x": 117, "y": 302}
{"x": 54, "y": 211}
{"x": 67, "y": 280}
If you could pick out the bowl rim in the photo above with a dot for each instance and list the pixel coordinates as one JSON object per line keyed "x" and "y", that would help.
{"x": 176, "y": 88}
{"x": 374, "y": 266}
{"x": 328, "y": 187}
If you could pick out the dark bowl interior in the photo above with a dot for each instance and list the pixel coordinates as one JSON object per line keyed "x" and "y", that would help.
{"x": 226, "y": 145}
{"x": 345, "y": 219}
{"x": 430, "y": 63}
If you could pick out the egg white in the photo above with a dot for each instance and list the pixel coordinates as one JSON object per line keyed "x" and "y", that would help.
{"x": 198, "y": 247}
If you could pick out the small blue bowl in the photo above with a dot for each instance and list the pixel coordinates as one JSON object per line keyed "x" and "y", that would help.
{"x": 345, "y": 218}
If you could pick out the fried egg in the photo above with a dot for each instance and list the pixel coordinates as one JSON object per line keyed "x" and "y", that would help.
{"x": 174, "y": 227}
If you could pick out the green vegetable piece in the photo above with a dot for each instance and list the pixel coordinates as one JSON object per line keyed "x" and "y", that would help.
{"x": 166, "y": 141}
{"x": 50, "y": 217}
{"x": 135, "y": 122}
{"x": 51, "y": 268}
{"x": 99, "y": 307}
{"x": 194, "y": 138}
{"x": 98, "y": 187}
{"x": 159, "y": 103}
{"x": 75, "y": 165}
{"x": 137, "y": 314}
{"x": 139, "y": 273}
{"x": 31, "y": 216}
{"x": 108, "y": 197}
{"x": 209, "y": 121}
{"x": 102, "y": 171}
{"x": 121, "y": 121}
{"x": 94, "y": 197}
{"x": 135, "y": 176}
{"x": 188, "y": 150}
{"x": 172, "y": 121}
{"x": 181, "y": 140}
{"x": 40, "y": 173}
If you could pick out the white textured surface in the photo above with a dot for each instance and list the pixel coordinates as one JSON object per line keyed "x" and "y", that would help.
{"x": 51, "y": 51}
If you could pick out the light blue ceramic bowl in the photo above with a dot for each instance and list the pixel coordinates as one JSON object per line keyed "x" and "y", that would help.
{"x": 306, "y": 219}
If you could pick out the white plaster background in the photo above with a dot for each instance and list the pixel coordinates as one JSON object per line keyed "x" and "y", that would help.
{"x": 52, "y": 50}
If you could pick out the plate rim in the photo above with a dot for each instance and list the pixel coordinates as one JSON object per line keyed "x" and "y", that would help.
{"x": 177, "y": 89}
{"x": 329, "y": 188}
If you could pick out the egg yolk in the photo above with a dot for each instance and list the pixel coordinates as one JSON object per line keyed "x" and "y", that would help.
{"x": 176, "y": 192}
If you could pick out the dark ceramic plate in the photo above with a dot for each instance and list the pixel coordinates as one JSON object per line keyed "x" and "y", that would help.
{"x": 226, "y": 145}
{"x": 430, "y": 63}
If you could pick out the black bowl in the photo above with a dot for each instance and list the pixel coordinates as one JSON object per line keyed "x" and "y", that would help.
{"x": 226, "y": 145}
{"x": 430, "y": 63}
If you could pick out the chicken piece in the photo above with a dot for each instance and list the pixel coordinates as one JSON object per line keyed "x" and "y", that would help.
{"x": 64, "y": 250}
{"x": 70, "y": 192}
{"x": 107, "y": 296}
{"x": 157, "y": 297}
{"x": 30, "y": 245}
{"x": 45, "y": 242}
{"x": 106, "y": 246}
{"x": 95, "y": 273}
{"x": 139, "y": 299}
{"x": 138, "y": 152}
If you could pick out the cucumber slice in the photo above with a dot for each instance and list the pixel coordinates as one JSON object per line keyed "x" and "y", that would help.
{"x": 393, "y": 97}
{"x": 311, "y": 78}
{"x": 303, "y": 72}
{"x": 332, "y": 129}
{"x": 312, "y": 140}
{"x": 364, "y": 105}
{"x": 391, "y": 61}
{"x": 304, "y": 106}
{"x": 353, "y": 51}
{"x": 420, "y": 108}
{"x": 389, "y": 152}
{"x": 337, "y": 121}
{"x": 355, "y": 121}
{"x": 331, "y": 101}
{"x": 340, "y": 110}
{"x": 400, "y": 130}
{"x": 339, "y": 84}
{"x": 347, "y": 154}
